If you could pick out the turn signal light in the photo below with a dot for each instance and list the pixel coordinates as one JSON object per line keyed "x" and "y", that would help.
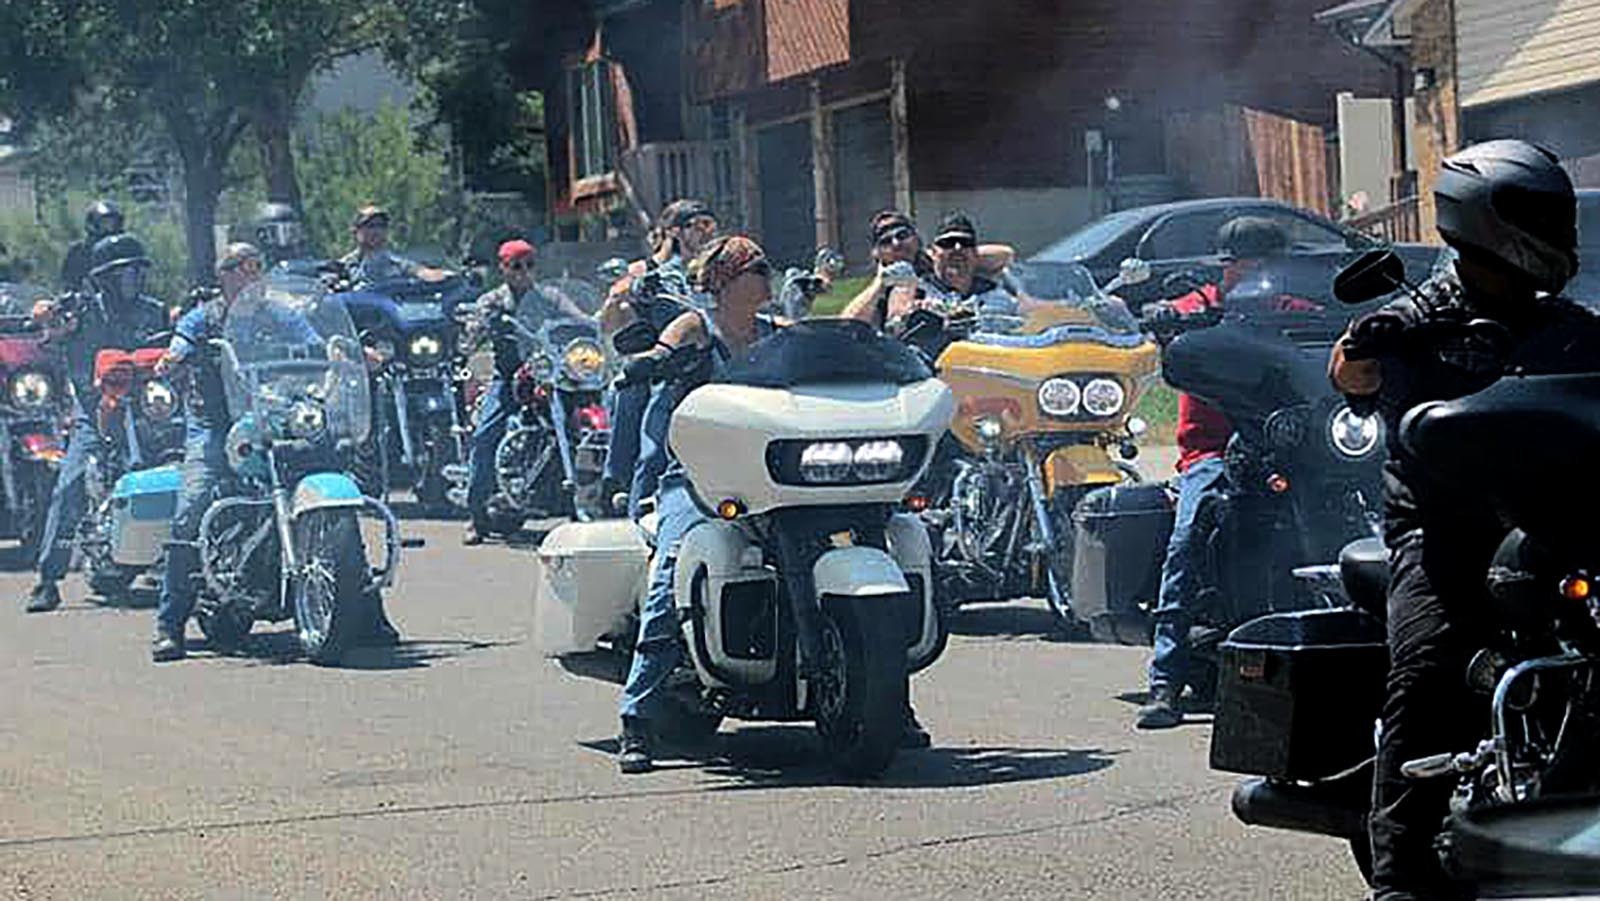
{"x": 1277, "y": 484}
{"x": 916, "y": 503}
{"x": 1577, "y": 588}
{"x": 730, "y": 509}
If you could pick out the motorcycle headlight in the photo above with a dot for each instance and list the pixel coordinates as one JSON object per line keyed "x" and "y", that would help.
{"x": 306, "y": 419}
{"x": 583, "y": 360}
{"x": 845, "y": 462}
{"x": 31, "y": 389}
{"x": 160, "y": 401}
{"x": 425, "y": 350}
{"x": 1353, "y": 436}
{"x": 1103, "y": 397}
{"x": 1059, "y": 397}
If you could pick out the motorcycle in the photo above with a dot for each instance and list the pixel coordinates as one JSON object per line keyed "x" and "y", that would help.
{"x": 806, "y": 594}
{"x": 33, "y": 411}
{"x": 1302, "y": 477}
{"x": 550, "y": 461}
{"x": 418, "y": 378}
{"x": 289, "y": 543}
{"x": 1313, "y": 760}
{"x": 133, "y": 479}
{"x": 1043, "y": 415}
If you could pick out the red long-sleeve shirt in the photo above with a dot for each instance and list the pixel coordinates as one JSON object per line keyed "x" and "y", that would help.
{"x": 1202, "y": 429}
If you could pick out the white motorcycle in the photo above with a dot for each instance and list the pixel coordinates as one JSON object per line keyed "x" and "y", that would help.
{"x": 806, "y": 594}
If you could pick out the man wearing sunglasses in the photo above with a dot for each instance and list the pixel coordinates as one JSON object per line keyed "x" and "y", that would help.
{"x": 372, "y": 261}
{"x": 904, "y": 265}
{"x": 490, "y": 323}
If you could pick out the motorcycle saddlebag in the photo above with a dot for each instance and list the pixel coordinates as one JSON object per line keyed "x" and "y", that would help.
{"x": 143, "y": 503}
{"x": 1120, "y": 539}
{"x": 591, "y": 576}
{"x": 1298, "y": 694}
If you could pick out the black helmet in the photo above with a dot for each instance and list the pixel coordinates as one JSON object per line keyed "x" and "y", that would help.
{"x": 116, "y": 251}
{"x": 101, "y": 219}
{"x": 1249, "y": 237}
{"x": 1512, "y": 202}
{"x": 278, "y": 227}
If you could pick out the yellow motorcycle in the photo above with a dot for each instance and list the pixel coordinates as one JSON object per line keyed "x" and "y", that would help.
{"x": 1044, "y": 403}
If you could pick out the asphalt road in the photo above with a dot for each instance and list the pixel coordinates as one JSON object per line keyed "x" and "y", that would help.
{"x": 462, "y": 765}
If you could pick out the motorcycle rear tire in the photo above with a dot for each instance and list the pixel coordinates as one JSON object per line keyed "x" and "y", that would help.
{"x": 225, "y": 630}
{"x": 328, "y": 612}
{"x": 861, "y": 728}
{"x": 110, "y": 581}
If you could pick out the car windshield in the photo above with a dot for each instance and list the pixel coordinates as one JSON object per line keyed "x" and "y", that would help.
{"x": 289, "y": 346}
{"x": 1092, "y": 238}
{"x": 819, "y": 351}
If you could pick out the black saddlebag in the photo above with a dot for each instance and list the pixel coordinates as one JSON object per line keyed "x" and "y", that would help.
{"x": 1299, "y": 693}
{"x": 1120, "y": 538}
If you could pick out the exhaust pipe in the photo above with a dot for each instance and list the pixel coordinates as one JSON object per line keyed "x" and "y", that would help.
{"x": 1336, "y": 808}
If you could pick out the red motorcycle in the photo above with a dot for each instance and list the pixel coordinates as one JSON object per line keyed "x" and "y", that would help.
{"x": 33, "y": 414}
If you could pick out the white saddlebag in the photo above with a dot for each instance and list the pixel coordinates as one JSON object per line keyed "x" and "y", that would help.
{"x": 591, "y": 576}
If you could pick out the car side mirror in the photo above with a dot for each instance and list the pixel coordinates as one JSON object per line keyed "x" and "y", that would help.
{"x": 1372, "y": 275}
{"x": 1134, "y": 271}
{"x": 634, "y": 338}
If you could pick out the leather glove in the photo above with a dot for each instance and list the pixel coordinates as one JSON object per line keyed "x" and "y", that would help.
{"x": 639, "y": 370}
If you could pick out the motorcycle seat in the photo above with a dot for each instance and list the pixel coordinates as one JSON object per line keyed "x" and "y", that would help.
{"x": 1364, "y": 567}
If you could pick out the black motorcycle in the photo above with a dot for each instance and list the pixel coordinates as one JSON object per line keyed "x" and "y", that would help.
{"x": 1302, "y": 475}
{"x": 1300, "y": 692}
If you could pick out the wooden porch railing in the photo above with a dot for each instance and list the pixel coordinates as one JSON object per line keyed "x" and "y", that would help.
{"x": 1396, "y": 223}
{"x": 703, "y": 170}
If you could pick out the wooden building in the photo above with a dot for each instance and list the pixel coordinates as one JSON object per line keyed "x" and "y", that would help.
{"x": 799, "y": 118}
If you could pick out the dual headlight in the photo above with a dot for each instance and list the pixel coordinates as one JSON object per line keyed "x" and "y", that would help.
{"x": 873, "y": 461}
{"x": 583, "y": 360}
{"x": 31, "y": 389}
{"x": 160, "y": 401}
{"x": 425, "y": 350}
{"x": 1099, "y": 397}
{"x": 306, "y": 419}
{"x": 1353, "y": 436}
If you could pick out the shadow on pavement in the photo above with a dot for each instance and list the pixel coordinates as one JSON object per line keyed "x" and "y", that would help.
{"x": 789, "y": 756}
{"x": 141, "y": 598}
{"x": 283, "y": 648}
{"x": 1008, "y": 620}
{"x": 411, "y": 509}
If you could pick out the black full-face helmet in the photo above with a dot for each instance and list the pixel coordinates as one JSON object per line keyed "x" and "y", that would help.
{"x": 102, "y": 219}
{"x": 1511, "y": 204}
{"x": 117, "y": 266}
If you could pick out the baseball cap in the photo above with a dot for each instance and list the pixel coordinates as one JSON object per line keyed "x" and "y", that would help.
{"x": 514, "y": 249}
{"x": 956, "y": 225}
{"x": 370, "y": 214}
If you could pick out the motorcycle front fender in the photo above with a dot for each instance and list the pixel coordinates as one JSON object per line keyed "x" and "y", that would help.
{"x": 858, "y": 572}
{"x": 325, "y": 491}
{"x": 1079, "y": 464}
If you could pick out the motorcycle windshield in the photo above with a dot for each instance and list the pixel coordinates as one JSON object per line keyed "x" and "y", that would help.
{"x": 570, "y": 349}
{"x": 822, "y": 351}
{"x": 291, "y": 356}
{"x": 1548, "y": 424}
{"x": 1064, "y": 304}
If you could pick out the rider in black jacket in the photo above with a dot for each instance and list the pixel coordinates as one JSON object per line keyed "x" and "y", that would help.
{"x": 1509, "y": 211}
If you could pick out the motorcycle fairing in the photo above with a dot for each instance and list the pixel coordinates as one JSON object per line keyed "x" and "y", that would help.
{"x": 325, "y": 491}
{"x": 907, "y": 538}
{"x": 713, "y": 558}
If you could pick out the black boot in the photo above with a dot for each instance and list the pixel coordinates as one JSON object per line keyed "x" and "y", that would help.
{"x": 633, "y": 755}
{"x": 44, "y": 598}
{"x": 1162, "y": 710}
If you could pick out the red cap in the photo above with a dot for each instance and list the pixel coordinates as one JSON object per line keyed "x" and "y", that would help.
{"x": 514, "y": 249}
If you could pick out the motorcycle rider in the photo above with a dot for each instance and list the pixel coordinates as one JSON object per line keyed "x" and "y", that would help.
{"x": 205, "y": 463}
{"x": 902, "y": 261}
{"x": 81, "y": 325}
{"x": 372, "y": 261}
{"x": 1202, "y": 435}
{"x": 1509, "y": 211}
{"x": 657, "y": 290}
{"x": 735, "y": 272}
{"x": 101, "y": 219}
{"x": 488, "y": 324}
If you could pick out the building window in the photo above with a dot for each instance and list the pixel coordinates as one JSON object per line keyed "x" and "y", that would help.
{"x": 591, "y": 108}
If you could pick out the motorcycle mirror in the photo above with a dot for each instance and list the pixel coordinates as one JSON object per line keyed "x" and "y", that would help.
{"x": 634, "y": 338}
{"x": 1372, "y": 275}
{"x": 1133, "y": 271}
{"x": 829, "y": 262}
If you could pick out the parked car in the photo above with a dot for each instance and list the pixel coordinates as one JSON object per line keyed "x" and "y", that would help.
{"x": 1179, "y": 237}
{"x": 1585, "y": 286}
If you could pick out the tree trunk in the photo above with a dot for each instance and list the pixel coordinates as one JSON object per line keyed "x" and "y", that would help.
{"x": 271, "y": 123}
{"x": 202, "y": 185}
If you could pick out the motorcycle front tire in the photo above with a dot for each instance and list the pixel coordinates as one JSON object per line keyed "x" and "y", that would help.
{"x": 328, "y": 598}
{"x": 861, "y": 726}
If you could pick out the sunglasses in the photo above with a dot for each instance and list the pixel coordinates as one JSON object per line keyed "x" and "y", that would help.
{"x": 519, "y": 265}
{"x": 955, "y": 242}
{"x": 896, "y": 236}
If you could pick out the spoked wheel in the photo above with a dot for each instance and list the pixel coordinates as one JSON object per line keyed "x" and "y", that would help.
{"x": 1058, "y": 567}
{"x": 37, "y": 482}
{"x": 370, "y": 462}
{"x": 327, "y": 592}
{"x": 225, "y": 629}
{"x": 432, "y": 488}
{"x": 860, "y": 694}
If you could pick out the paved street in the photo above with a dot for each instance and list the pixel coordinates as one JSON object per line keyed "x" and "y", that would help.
{"x": 464, "y": 765}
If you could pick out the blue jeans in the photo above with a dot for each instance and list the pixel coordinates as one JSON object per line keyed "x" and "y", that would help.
{"x": 653, "y": 455}
{"x": 493, "y": 414}
{"x": 205, "y": 474}
{"x": 656, "y": 653}
{"x": 626, "y": 407}
{"x": 1181, "y": 576}
{"x": 67, "y": 499}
